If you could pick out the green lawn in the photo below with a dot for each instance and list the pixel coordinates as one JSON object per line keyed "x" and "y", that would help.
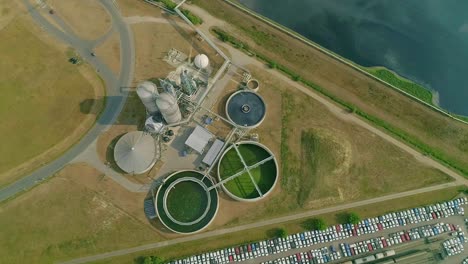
{"x": 242, "y": 186}
{"x": 187, "y": 201}
{"x": 402, "y": 83}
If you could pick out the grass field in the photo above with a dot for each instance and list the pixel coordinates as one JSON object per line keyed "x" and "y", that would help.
{"x": 242, "y": 186}
{"x": 318, "y": 156}
{"x": 42, "y": 100}
{"x": 187, "y": 201}
{"x": 213, "y": 196}
{"x": 206, "y": 245}
{"x": 431, "y": 132}
{"x": 76, "y": 213}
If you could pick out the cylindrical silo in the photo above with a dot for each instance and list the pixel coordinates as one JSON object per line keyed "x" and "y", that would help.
{"x": 147, "y": 91}
{"x": 168, "y": 107}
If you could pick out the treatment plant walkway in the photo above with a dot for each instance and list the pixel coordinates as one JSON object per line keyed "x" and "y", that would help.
{"x": 115, "y": 96}
{"x": 258, "y": 224}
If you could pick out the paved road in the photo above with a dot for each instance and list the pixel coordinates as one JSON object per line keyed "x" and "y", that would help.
{"x": 115, "y": 97}
{"x": 258, "y": 224}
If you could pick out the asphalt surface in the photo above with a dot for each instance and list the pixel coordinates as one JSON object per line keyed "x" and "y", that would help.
{"x": 115, "y": 87}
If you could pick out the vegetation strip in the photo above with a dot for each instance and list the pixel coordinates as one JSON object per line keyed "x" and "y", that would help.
{"x": 421, "y": 146}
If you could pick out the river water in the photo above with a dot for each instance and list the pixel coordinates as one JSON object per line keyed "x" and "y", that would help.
{"x": 423, "y": 40}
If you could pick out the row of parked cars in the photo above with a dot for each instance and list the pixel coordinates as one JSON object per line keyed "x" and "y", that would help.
{"x": 454, "y": 246}
{"x": 333, "y": 233}
{"x": 315, "y": 256}
{"x": 373, "y": 244}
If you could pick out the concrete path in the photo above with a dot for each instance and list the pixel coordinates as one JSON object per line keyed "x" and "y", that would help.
{"x": 115, "y": 97}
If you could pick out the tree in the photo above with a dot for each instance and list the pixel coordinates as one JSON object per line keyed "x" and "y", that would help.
{"x": 315, "y": 224}
{"x": 272, "y": 65}
{"x": 296, "y": 77}
{"x": 148, "y": 260}
{"x": 353, "y": 218}
{"x": 281, "y": 233}
{"x": 151, "y": 260}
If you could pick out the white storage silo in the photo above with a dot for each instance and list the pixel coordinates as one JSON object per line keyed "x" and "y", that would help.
{"x": 169, "y": 108}
{"x": 201, "y": 61}
{"x": 147, "y": 91}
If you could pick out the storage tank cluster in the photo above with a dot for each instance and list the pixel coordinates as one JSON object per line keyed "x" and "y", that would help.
{"x": 155, "y": 102}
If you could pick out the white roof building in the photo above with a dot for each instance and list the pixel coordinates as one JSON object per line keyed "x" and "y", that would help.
{"x": 213, "y": 152}
{"x": 199, "y": 139}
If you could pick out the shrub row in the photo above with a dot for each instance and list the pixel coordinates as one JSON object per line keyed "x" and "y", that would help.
{"x": 196, "y": 20}
{"x": 422, "y": 147}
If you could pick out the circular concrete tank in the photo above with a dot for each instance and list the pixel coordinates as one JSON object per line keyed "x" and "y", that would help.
{"x": 253, "y": 85}
{"x": 246, "y": 109}
{"x": 183, "y": 203}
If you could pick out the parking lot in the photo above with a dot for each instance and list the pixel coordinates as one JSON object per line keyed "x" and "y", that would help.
{"x": 341, "y": 243}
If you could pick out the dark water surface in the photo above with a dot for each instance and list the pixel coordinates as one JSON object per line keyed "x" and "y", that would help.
{"x": 423, "y": 40}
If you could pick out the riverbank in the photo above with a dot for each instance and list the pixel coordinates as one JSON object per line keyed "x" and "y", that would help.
{"x": 427, "y": 130}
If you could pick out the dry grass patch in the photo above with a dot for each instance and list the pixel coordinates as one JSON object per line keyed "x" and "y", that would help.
{"x": 109, "y": 51}
{"x": 46, "y": 104}
{"x": 87, "y": 18}
{"x": 138, "y": 8}
{"x": 79, "y": 212}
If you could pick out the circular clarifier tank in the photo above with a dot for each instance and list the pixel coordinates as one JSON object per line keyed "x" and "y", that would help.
{"x": 185, "y": 203}
{"x": 246, "y": 108}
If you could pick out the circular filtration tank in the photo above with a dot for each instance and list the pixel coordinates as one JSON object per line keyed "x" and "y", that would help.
{"x": 246, "y": 108}
{"x": 184, "y": 204}
{"x": 261, "y": 167}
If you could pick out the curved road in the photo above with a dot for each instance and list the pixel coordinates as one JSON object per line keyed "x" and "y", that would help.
{"x": 115, "y": 97}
